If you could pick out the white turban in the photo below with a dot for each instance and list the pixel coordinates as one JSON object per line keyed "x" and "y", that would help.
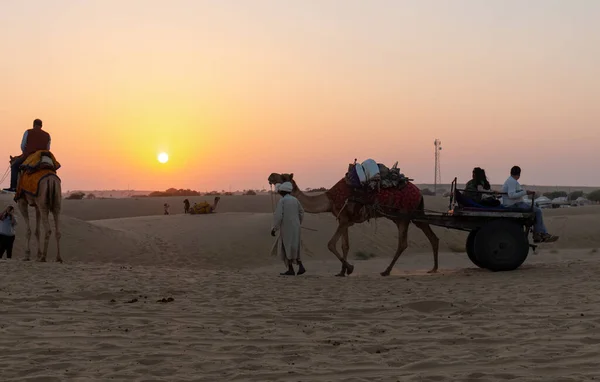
{"x": 285, "y": 187}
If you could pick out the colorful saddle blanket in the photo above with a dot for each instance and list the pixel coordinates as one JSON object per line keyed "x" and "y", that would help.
{"x": 36, "y": 167}
{"x": 29, "y": 182}
{"x": 407, "y": 198}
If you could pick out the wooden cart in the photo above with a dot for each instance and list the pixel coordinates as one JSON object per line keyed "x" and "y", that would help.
{"x": 498, "y": 236}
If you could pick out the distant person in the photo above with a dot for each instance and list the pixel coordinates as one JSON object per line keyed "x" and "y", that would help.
{"x": 513, "y": 197}
{"x": 8, "y": 223}
{"x": 166, "y": 208}
{"x": 476, "y": 187}
{"x": 33, "y": 140}
{"x": 186, "y": 206}
{"x": 287, "y": 220}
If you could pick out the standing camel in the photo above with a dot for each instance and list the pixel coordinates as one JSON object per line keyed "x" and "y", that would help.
{"x": 336, "y": 202}
{"x": 48, "y": 199}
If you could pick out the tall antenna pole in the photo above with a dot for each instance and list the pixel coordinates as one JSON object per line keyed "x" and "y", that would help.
{"x": 438, "y": 176}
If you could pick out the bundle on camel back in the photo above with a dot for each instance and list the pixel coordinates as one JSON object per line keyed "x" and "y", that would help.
{"x": 39, "y": 187}
{"x": 354, "y": 203}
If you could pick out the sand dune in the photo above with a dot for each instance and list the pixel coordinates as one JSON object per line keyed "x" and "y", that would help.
{"x": 238, "y": 235}
{"x": 231, "y": 318}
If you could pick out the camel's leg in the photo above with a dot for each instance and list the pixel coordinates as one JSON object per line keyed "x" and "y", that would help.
{"x": 47, "y": 233}
{"x": 57, "y": 234}
{"x": 435, "y": 243}
{"x": 346, "y": 267}
{"x": 346, "y": 248}
{"x": 24, "y": 208}
{"x": 37, "y": 233}
{"x": 402, "y": 244}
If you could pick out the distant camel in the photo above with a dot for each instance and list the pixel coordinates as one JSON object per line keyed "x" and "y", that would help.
{"x": 48, "y": 199}
{"x": 352, "y": 213}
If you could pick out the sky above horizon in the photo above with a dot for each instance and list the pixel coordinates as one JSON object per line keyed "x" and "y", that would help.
{"x": 235, "y": 90}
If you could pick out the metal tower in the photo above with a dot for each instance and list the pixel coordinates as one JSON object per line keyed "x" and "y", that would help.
{"x": 437, "y": 177}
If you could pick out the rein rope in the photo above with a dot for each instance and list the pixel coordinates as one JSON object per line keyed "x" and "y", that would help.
{"x": 5, "y": 175}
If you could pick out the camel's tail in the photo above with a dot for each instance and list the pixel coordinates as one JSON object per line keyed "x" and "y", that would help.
{"x": 53, "y": 195}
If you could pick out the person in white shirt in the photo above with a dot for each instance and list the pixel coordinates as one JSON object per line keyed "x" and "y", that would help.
{"x": 512, "y": 197}
{"x": 287, "y": 219}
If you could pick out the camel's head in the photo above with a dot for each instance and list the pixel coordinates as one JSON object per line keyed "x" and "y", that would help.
{"x": 275, "y": 178}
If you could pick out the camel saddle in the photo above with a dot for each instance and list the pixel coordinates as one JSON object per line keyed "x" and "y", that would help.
{"x": 36, "y": 167}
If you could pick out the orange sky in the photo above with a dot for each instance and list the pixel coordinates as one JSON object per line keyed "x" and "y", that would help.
{"x": 234, "y": 90}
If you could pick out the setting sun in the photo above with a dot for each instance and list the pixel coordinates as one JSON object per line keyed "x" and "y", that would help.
{"x": 163, "y": 157}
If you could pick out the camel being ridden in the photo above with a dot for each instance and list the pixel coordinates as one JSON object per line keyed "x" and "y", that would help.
{"x": 352, "y": 213}
{"x": 48, "y": 199}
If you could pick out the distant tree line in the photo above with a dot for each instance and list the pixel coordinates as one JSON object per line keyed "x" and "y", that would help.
{"x": 76, "y": 195}
{"x": 174, "y": 192}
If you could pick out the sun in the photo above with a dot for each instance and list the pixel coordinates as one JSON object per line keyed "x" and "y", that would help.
{"x": 163, "y": 157}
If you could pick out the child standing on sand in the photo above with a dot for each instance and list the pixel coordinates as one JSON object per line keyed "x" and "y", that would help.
{"x": 7, "y": 231}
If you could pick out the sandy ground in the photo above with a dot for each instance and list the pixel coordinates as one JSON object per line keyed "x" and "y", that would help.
{"x": 232, "y": 318}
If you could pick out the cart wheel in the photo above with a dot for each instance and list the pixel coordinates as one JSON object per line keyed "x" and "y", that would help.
{"x": 501, "y": 245}
{"x": 471, "y": 248}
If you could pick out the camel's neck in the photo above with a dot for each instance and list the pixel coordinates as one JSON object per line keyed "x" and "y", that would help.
{"x": 313, "y": 204}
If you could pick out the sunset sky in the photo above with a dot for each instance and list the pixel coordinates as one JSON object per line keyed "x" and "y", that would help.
{"x": 235, "y": 90}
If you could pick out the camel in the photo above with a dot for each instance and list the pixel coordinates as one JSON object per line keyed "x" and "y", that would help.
{"x": 48, "y": 199}
{"x": 349, "y": 214}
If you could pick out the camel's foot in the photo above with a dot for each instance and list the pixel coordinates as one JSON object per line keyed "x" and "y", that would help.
{"x": 27, "y": 259}
{"x": 341, "y": 274}
{"x": 288, "y": 273}
{"x": 58, "y": 260}
{"x": 41, "y": 260}
{"x": 434, "y": 270}
{"x": 385, "y": 273}
{"x": 349, "y": 269}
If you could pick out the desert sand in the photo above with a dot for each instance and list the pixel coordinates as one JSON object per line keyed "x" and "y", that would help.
{"x": 225, "y": 314}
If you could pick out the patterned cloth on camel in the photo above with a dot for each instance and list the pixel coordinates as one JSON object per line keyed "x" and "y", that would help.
{"x": 36, "y": 161}
{"x": 407, "y": 198}
{"x": 372, "y": 175}
{"x": 29, "y": 182}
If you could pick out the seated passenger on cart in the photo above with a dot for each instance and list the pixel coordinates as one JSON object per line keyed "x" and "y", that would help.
{"x": 514, "y": 198}
{"x": 476, "y": 187}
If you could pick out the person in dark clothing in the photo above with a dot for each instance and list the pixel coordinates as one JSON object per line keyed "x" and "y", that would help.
{"x": 476, "y": 185}
{"x": 7, "y": 231}
{"x": 33, "y": 140}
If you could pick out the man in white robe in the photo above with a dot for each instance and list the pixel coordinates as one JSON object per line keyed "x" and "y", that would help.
{"x": 287, "y": 220}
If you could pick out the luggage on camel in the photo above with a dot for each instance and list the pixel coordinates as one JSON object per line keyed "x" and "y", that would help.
{"x": 370, "y": 175}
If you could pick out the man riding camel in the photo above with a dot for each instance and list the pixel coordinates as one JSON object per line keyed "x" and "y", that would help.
{"x": 33, "y": 140}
